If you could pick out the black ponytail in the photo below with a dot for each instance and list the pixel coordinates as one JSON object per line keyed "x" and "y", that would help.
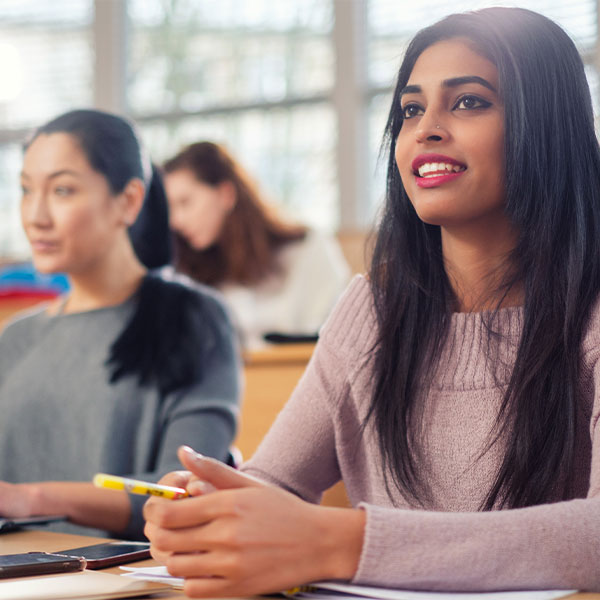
{"x": 160, "y": 345}
{"x": 150, "y": 235}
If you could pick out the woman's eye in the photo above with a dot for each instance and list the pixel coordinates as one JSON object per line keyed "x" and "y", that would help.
{"x": 411, "y": 110}
{"x": 63, "y": 191}
{"x": 24, "y": 190}
{"x": 470, "y": 103}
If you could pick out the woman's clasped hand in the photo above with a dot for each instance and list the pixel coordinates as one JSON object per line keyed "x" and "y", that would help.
{"x": 235, "y": 535}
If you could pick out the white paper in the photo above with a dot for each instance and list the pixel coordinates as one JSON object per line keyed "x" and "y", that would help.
{"x": 360, "y": 591}
{"x": 87, "y": 585}
{"x": 158, "y": 574}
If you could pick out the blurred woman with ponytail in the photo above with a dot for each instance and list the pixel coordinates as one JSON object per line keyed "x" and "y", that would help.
{"x": 118, "y": 373}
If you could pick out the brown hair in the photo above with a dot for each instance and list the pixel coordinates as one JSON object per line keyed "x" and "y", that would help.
{"x": 252, "y": 235}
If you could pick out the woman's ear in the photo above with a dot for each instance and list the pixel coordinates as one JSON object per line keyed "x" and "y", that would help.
{"x": 228, "y": 195}
{"x": 132, "y": 198}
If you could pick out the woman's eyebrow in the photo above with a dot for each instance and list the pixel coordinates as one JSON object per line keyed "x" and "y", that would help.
{"x": 456, "y": 81}
{"x": 411, "y": 89}
{"x": 64, "y": 172}
{"x": 450, "y": 83}
{"x": 55, "y": 173}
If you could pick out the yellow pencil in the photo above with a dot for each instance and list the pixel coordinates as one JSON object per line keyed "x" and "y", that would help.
{"x": 133, "y": 486}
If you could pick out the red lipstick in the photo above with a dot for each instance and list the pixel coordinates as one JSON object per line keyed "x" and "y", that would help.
{"x": 436, "y": 180}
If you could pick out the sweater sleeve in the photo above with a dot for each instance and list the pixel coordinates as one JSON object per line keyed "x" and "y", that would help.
{"x": 203, "y": 416}
{"x": 553, "y": 546}
{"x": 549, "y": 546}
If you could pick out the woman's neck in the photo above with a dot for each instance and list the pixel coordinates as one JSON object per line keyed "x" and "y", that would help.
{"x": 108, "y": 283}
{"x": 478, "y": 264}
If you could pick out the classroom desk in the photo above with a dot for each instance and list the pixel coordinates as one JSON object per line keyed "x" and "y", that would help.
{"x": 47, "y": 541}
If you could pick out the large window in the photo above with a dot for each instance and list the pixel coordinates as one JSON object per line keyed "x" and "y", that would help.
{"x": 46, "y": 58}
{"x": 255, "y": 75}
{"x": 297, "y": 89}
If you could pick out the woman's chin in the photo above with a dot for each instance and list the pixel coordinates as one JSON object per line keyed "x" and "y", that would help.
{"x": 200, "y": 245}
{"x": 47, "y": 267}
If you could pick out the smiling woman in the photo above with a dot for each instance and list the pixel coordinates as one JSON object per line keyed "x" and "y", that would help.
{"x": 116, "y": 374}
{"x": 451, "y": 114}
{"x": 462, "y": 189}
{"x": 456, "y": 390}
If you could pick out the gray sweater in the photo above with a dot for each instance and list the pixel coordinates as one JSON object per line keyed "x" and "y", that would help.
{"x": 62, "y": 420}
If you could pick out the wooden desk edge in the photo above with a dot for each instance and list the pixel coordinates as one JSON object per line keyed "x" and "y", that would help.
{"x": 275, "y": 354}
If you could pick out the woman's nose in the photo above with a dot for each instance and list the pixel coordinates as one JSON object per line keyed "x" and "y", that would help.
{"x": 431, "y": 128}
{"x": 35, "y": 211}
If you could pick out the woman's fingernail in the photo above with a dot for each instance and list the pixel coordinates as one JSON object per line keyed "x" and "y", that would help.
{"x": 192, "y": 454}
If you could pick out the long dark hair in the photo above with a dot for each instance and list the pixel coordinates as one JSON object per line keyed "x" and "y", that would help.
{"x": 552, "y": 179}
{"x": 248, "y": 247}
{"x": 157, "y": 345}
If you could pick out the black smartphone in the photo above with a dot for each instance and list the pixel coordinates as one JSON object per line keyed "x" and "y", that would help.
{"x": 109, "y": 554}
{"x": 38, "y": 563}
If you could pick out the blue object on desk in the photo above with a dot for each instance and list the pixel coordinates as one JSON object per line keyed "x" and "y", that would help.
{"x": 24, "y": 278}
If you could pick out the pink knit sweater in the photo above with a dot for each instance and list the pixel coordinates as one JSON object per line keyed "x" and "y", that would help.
{"x": 317, "y": 439}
